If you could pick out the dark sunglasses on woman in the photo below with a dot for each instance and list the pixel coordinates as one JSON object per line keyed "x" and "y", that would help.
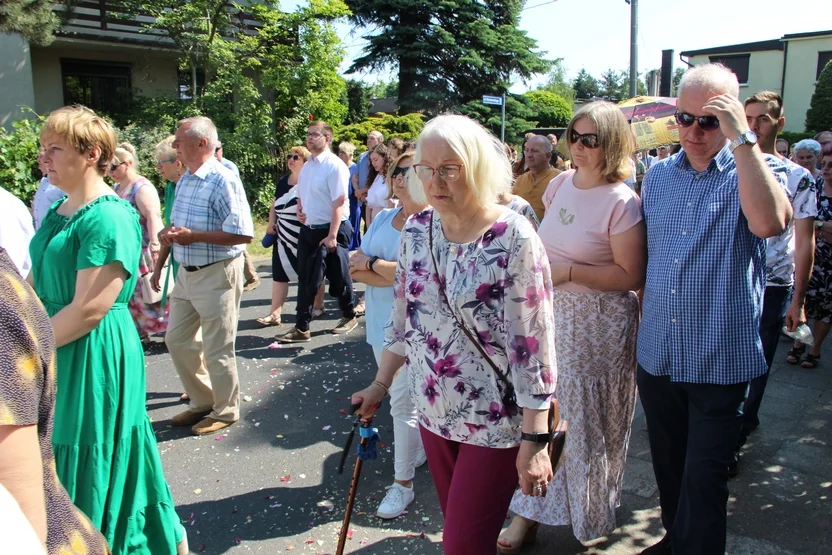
{"x": 589, "y": 140}
{"x": 706, "y": 123}
{"x": 294, "y": 157}
{"x": 399, "y": 171}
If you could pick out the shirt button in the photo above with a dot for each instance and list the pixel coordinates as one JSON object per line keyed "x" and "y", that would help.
{"x": 672, "y": 291}
{"x": 673, "y": 320}
{"x": 690, "y": 204}
{"x": 675, "y": 260}
{"x": 684, "y": 233}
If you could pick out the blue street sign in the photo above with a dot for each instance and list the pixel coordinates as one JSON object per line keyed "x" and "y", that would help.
{"x": 493, "y": 100}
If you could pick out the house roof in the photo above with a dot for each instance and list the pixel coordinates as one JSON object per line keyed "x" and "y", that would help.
{"x": 761, "y": 46}
{"x": 383, "y": 105}
{"x": 807, "y": 35}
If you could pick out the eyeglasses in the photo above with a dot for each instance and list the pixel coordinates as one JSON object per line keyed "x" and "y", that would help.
{"x": 706, "y": 123}
{"x": 589, "y": 140}
{"x": 294, "y": 157}
{"x": 314, "y": 135}
{"x": 447, "y": 173}
{"x": 114, "y": 166}
{"x": 168, "y": 161}
{"x": 400, "y": 171}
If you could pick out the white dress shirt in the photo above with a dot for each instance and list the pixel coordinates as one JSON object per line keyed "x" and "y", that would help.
{"x": 16, "y": 230}
{"x": 322, "y": 180}
{"x": 45, "y": 197}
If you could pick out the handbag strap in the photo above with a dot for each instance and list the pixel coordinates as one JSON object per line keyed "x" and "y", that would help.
{"x": 462, "y": 326}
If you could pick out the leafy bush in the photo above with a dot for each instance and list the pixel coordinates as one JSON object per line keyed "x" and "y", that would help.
{"x": 19, "y": 172}
{"x": 551, "y": 110}
{"x": 819, "y": 116}
{"x": 405, "y": 127}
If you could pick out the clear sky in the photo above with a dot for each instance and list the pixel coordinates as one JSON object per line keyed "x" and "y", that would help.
{"x": 595, "y": 34}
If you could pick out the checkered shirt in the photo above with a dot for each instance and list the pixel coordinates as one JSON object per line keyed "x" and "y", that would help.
{"x": 212, "y": 199}
{"x": 705, "y": 274}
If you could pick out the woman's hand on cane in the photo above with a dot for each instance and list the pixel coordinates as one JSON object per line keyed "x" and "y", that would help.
{"x": 370, "y": 399}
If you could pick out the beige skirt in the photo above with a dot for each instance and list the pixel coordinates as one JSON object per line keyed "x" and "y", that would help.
{"x": 596, "y": 348}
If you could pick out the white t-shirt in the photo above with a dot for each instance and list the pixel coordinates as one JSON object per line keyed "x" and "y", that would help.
{"x": 45, "y": 197}
{"x": 322, "y": 180}
{"x": 780, "y": 249}
{"x": 377, "y": 195}
{"x": 16, "y": 230}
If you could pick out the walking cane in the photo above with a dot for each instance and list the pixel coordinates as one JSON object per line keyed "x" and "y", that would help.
{"x": 366, "y": 451}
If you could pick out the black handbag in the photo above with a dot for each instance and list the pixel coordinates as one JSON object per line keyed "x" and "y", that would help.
{"x": 557, "y": 427}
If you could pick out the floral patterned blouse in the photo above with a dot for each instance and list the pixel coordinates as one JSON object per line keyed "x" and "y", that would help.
{"x": 501, "y": 289}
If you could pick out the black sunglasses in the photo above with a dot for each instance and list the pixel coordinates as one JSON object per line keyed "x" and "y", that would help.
{"x": 399, "y": 171}
{"x": 114, "y": 166}
{"x": 293, "y": 157}
{"x": 589, "y": 140}
{"x": 706, "y": 123}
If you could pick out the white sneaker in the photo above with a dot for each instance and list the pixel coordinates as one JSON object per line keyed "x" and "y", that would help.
{"x": 395, "y": 502}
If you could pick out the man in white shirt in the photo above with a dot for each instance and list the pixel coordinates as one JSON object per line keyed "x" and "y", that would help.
{"x": 16, "y": 230}
{"x": 323, "y": 243}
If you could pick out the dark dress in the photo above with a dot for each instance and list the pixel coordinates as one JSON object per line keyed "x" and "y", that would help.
{"x": 819, "y": 292}
{"x": 285, "y": 249}
{"x": 27, "y": 397}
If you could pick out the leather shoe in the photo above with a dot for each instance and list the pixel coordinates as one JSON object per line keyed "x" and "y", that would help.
{"x": 188, "y": 418}
{"x": 209, "y": 426}
{"x": 661, "y": 548}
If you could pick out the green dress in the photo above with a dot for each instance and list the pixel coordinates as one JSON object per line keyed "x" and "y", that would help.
{"x": 173, "y": 267}
{"x": 105, "y": 450}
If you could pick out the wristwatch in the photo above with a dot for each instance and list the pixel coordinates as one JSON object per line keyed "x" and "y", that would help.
{"x": 538, "y": 437}
{"x": 746, "y": 138}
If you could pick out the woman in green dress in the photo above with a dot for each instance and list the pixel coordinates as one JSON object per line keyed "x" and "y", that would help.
{"x": 85, "y": 258}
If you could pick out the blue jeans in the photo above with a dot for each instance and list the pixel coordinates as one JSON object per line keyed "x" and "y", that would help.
{"x": 775, "y": 303}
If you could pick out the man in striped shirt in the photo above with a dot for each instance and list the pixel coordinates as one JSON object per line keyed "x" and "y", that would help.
{"x": 708, "y": 211}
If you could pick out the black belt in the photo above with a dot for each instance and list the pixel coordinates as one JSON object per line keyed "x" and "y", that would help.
{"x": 195, "y": 268}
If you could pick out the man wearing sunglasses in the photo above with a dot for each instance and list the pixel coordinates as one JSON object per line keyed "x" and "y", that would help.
{"x": 789, "y": 256}
{"x": 708, "y": 211}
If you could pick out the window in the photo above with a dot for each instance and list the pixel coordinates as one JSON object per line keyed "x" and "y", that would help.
{"x": 186, "y": 83}
{"x": 823, "y": 59}
{"x": 738, "y": 64}
{"x": 101, "y": 86}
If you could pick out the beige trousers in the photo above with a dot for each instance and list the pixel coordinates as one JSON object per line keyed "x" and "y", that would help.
{"x": 208, "y": 298}
{"x": 249, "y": 271}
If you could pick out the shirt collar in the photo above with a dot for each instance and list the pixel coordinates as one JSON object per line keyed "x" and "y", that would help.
{"x": 723, "y": 159}
{"x": 206, "y": 168}
{"x": 320, "y": 157}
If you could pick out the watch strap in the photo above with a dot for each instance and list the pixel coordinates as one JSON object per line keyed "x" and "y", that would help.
{"x": 539, "y": 437}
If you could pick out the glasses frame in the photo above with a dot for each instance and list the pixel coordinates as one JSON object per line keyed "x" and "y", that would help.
{"x": 114, "y": 166}
{"x": 589, "y": 140}
{"x": 294, "y": 157}
{"x": 443, "y": 169}
{"x": 706, "y": 123}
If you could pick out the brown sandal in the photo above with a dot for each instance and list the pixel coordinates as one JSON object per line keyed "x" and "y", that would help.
{"x": 270, "y": 320}
{"x": 794, "y": 356}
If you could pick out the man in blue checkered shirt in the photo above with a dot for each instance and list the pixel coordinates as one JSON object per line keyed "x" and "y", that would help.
{"x": 210, "y": 226}
{"x": 708, "y": 211}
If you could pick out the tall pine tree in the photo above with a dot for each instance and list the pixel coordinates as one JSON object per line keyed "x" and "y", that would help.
{"x": 447, "y": 53}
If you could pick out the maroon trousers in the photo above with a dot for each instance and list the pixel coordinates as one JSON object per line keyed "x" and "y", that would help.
{"x": 475, "y": 485}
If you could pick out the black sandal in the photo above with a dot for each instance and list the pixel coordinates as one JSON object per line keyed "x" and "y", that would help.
{"x": 793, "y": 356}
{"x": 811, "y": 361}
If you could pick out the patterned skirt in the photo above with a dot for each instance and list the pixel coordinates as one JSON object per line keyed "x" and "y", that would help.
{"x": 596, "y": 349}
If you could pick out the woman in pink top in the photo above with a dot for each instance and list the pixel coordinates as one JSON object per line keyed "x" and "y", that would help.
{"x": 595, "y": 239}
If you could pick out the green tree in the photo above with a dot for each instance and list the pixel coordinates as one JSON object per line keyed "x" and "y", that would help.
{"x": 33, "y": 19}
{"x": 384, "y": 89}
{"x": 677, "y": 78}
{"x": 613, "y": 86}
{"x": 520, "y": 116}
{"x": 405, "y": 127}
{"x": 558, "y": 83}
{"x": 585, "y": 85}
{"x": 19, "y": 172}
{"x": 819, "y": 116}
{"x": 446, "y": 53}
{"x": 358, "y": 102}
{"x": 550, "y": 109}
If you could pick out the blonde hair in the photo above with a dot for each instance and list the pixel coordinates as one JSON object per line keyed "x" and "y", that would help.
{"x": 414, "y": 187}
{"x": 347, "y": 148}
{"x": 614, "y": 137}
{"x": 125, "y": 152}
{"x": 487, "y": 169}
{"x": 301, "y": 151}
{"x": 83, "y": 129}
{"x": 165, "y": 148}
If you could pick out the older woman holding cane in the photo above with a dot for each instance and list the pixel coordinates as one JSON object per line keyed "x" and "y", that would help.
{"x": 471, "y": 270}
{"x": 597, "y": 245}
{"x": 374, "y": 264}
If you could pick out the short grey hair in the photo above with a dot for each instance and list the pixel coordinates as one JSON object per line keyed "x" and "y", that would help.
{"x": 716, "y": 78}
{"x": 545, "y": 143}
{"x": 808, "y": 144}
{"x": 347, "y": 148}
{"x": 377, "y": 134}
{"x": 200, "y": 127}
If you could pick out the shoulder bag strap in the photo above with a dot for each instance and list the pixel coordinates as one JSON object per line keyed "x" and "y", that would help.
{"x": 464, "y": 329}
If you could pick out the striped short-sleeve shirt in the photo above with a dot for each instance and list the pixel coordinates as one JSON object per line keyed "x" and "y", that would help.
{"x": 706, "y": 274}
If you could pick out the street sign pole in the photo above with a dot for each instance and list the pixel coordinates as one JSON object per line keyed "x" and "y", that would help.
{"x": 503, "y": 127}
